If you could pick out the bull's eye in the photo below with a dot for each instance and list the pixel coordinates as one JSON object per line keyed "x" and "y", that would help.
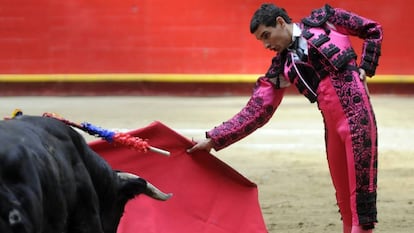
{"x": 14, "y": 217}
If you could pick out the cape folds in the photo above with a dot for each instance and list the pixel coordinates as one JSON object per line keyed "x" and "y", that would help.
{"x": 208, "y": 195}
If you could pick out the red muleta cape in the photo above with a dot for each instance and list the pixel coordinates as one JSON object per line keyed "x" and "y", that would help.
{"x": 208, "y": 195}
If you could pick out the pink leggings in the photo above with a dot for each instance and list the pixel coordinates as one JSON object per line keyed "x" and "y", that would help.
{"x": 351, "y": 146}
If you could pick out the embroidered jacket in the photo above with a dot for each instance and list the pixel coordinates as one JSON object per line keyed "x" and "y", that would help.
{"x": 329, "y": 52}
{"x": 326, "y": 31}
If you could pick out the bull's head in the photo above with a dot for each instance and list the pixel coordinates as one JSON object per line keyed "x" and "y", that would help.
{"x": 130, "y": 186}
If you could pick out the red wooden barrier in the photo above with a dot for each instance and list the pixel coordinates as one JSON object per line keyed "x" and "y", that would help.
{"x": 159, "y": 36}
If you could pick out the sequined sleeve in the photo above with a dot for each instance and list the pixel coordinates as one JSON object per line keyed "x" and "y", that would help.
{"x": 370, "y": 31}
{"x": 257, "y": 112}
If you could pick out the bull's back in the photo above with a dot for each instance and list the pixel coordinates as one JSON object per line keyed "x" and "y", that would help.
{"x": 52, "y": 145}
{"x": 65, "y": 146}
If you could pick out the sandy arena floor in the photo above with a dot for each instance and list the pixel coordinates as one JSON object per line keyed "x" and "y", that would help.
{"x": 285, "y": 158}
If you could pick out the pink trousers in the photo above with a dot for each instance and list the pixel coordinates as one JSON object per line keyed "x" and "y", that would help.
{"x": 351, "y": 146}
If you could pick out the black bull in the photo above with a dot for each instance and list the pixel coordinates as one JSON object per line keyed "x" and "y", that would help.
{"x": 52, "y": 182}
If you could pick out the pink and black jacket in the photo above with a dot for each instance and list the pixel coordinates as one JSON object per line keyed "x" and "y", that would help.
{"x": 329, "y": 53}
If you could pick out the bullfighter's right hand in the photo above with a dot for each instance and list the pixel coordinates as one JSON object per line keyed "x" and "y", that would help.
{"x": 206, "y": 144}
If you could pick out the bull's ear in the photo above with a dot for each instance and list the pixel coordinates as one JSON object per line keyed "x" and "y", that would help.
{"x": 133, "y": 185}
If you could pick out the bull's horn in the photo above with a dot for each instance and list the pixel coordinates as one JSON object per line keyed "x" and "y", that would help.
{"x": 126, "y": 175}
{"x": 151, "y": 190}
{"x": 154, "y": 192}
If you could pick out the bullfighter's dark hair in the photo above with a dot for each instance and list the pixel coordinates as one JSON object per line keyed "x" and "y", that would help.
{"x": 266, "y": 15}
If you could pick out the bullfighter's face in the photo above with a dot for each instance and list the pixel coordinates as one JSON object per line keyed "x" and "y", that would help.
{"x": 276, "y": 38}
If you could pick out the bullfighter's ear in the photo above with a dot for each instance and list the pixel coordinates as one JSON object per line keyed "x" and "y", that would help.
{"x": 134, "y": 185}
{"x": 14, "y": 217}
